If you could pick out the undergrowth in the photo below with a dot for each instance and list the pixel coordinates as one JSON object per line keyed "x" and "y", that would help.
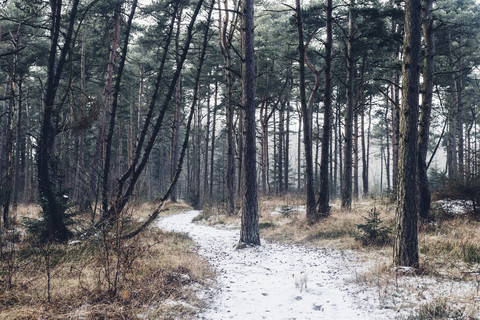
{"x": 101, "y": 276}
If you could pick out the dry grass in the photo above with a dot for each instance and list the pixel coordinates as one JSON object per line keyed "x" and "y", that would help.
{"x": 449, "y": 252}
{"x": 159, "y": 276}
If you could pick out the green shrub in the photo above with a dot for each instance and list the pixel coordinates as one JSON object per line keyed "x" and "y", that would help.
{"x": 286, "y": 211}
{"x": 471, "y": 253}
{"x": 265, "y": 225}
{"x": 373, "y": 232}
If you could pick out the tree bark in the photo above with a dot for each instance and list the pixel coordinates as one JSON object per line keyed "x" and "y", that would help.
{"x": 176, "y": 118}
{"x": 363, "y": 133}
{"x": 250, "y": 233}
{"x": 424, "y": 196}
{"x": 225, "y": 43}
{"x": 204, "y": 193}
{"x": 52, "y": 208}
{"x": 348, "y": 145}
{"x": 406, "y": 240}
{"x": 114, "y": 107}
{"x": 212, "y": 153}
{"x": 307, "y": 120}
{"x": 323, "y": 208}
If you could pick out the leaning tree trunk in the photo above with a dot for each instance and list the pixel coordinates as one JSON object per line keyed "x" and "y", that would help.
{"x": 406, "y": 240}
{"x": 250, "y": 233}
{"x": 424, "y": 196}
{"x": 113, "y": 111}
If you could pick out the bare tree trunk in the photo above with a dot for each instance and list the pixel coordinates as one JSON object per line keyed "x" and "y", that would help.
{"x": 336, "y": 154}
{"x": 28, "y": 154}
{"x": 348, "y": 146}
{"x": 204, "y": 193}
{"x": 362, "y": 129}
{"x": 7, "y": 196}
{"x": 281, "y": 142}
{"x": 197, "y": 150}
{"x": 225, "y": 42}
{"x": 387, "y": 162}
{"x": 323, "y": 208}
{"x": 287, "y": 148}
{"x": 299, "y": 153}
{"x": 250, "y": 233}
{"x": 52, "y": 208}
{"x": 406, "y": 240}
{"x": 395, "y": 93}
{"x": 424, "y": 196}
{"x": 461, "y": 162}
{"x": 307, "y": 120}
{"x": 18, "y": 143}
{"x": 80, "y": 191}
{"x": 212, "y": 154}
{"x": 452, "y": 149}
{"x": 355, "y": 155}
{"x": 368, "y": 138}
{"x": 113, "y": 111}
{"x": 176, "y": 117}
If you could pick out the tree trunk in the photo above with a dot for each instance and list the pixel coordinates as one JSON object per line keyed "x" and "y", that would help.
{"x": 424, "y": 196}
{"x": 113, "y": 111}
{"x": 197, "y": 150}
{"x": 18, "y": 149}
{"x": 212, "y": 153}
{"x": 307, "y": 120}
{"x": 204, "y": 193}
{"x": 348, "y": 146}
{"x": 287, "y": 148}
{"x": 53, "y": 209}
{"x": 323, "y": 208}
{"x": 299, "y": 153}
{"x": 387, "y": 150}
{"x": 362, "y": 124}
{"x": 281, "y": 142}
{"x": 225, "y": 42}
{"x": 250, "y": 233}
{"x": 7, "y": 196}
{"x": 355, "y": 155}
{"x": 406, "y": 241}
{"x": 452, "y": 149}
{"x": 459, "y": 113}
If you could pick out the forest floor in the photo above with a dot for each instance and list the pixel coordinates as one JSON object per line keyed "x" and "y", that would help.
{"x": 345, "y": 280}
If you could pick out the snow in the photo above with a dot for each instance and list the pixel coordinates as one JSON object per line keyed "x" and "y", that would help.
{"x": 455, "y": 206}
{"x": 257, "y": 282}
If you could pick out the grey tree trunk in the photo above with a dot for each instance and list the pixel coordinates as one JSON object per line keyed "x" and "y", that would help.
{"x": 424, "y": 195}
{"x": 323, "y": 208}
{"x": 51, "y": 204}
{"x": 225, "y": 42}
{"x": 348, "y": 146}
{"x": 307, "y": 119}
{"x": 405, "y": 251}
{"x": 250, "y": 233}
{"x": 176, "y": 118}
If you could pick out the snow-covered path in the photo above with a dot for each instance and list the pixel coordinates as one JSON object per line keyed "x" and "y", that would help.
{"x": 257, "y": 283}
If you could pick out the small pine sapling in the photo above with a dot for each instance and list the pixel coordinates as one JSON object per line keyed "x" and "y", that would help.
{"x": 373, "y": 232}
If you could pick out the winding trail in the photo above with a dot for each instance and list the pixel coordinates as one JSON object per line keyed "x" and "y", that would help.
{"x": 256, "y": 283}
